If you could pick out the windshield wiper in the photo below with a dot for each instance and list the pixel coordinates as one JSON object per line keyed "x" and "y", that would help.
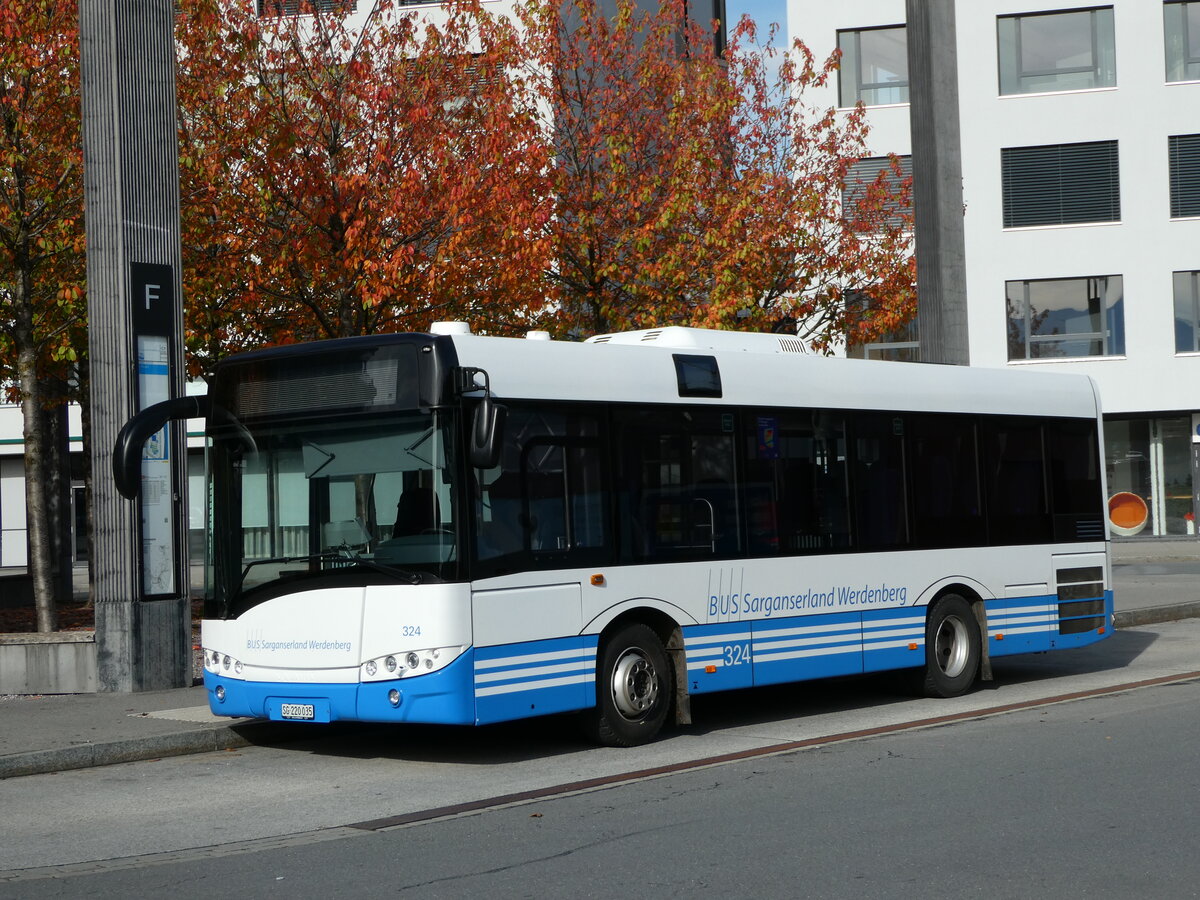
{"x": 410, "y": 577}
{"x": 330, "y": 556}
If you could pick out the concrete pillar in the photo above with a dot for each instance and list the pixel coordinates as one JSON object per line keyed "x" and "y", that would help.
{"x": 131, "y": 185}
{"x": 937, "y": 181}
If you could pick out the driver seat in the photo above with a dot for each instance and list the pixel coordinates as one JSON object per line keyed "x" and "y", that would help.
{"x": 417, "y": 512}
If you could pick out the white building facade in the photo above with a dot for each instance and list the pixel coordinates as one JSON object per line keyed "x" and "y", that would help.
{"x": 1080, "y": 149}
{"x": 14, "y": 545}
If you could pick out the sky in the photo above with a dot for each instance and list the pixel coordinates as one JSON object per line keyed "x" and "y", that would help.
{"x": 763, "y": 12}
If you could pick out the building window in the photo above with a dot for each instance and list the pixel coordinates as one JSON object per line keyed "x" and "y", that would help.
{"x": 1061, "y": 184}
{"x": 1150, "y": 485}
{"x": 1187, "y": 312}
{"x": 1181, "y": 32}
{"x": 1060, "y": 318}
{"x": 1183, "y": 151}
{"x": 862, "y": 176}
{"x": 874, "y": 66}
{"x": 1062, "y": 51}
{"x": 900, "y": 344}
{"x": 271, "y": 9}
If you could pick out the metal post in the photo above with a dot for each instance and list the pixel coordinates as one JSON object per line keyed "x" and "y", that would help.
{"x": 937, "y": 181}
{"x": 135, "y": 337}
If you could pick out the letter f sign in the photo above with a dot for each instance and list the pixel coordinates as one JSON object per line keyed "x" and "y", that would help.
{"x": 152, "y": 293}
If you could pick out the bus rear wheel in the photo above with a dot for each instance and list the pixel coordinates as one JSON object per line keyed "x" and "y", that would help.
{"x": 952, "y": 650}
{"x": 634, "y": 686}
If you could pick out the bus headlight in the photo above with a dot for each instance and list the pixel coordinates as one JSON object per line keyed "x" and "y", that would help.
{"x": 219, "y": 663}
{"x": 409, "y": 664}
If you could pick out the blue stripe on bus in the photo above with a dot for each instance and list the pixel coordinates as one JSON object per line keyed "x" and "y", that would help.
{"x": 1021, "y": 624}
{"x": 718, "y": 656}
{"x": 494, "y": 684}
{"x": 820, "y": 646}
{"x": 893, "y": 638}
{"x": 1031, "y": 625}
{"x": 802, "y": 647}
{"x": 772, "y": 651}
{"x": 442, "y": 697}
{"x": 534, "y": 678}
{"x": 1083, "y": 638}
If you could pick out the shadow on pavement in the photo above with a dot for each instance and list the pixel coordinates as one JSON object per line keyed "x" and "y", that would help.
{"x": 488, "y": 745}
{"x": 1118, "y": 652}
{"x": 559, "y": 735}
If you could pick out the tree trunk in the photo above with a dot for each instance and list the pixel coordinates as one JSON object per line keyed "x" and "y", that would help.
{"x": 40, "y": 566}
{"x": 56, "y": 461}
{"x": 85, "y": 426}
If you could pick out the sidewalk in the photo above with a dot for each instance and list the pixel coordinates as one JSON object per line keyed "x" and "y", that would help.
{"x": 51, "y": 733}
{"x": 1156, "y": 550}
{"x": 1153, "y": 582}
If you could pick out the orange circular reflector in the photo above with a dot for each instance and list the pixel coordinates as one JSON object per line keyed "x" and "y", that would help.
{"x": 1127, "y": 512}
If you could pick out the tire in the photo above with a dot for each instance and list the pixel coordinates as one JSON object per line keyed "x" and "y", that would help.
{"x": 634, "y": 688}
{"x": 952, "y": 649}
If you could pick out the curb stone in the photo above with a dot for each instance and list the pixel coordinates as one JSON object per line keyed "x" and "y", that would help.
{"x": 84, "y": 756}
{"x": 1153, "y": 615}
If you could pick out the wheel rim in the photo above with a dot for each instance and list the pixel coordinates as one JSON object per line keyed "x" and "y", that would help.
{"x": 951, "y": 646}
{"x": 634, "y": 684}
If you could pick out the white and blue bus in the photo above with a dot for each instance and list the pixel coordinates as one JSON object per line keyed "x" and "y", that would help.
{"x": 452, "y": 528}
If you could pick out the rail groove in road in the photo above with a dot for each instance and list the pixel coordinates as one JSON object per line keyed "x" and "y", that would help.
{"x": 371, "y": 826}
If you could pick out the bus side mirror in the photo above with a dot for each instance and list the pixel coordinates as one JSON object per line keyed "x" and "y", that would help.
{"x": 127, "y": 451}
{"x": 487, "y": 434}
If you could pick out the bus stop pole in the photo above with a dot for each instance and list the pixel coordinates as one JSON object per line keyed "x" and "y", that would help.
{"x": 135, "y": 338}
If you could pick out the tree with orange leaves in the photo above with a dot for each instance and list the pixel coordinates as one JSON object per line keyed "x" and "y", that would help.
{"x": 41, "y": 254}
{"x": 561, "y": 164}
{"x": 811, "y": 257}
{"x": 341, "y": 181}
{"x": 702, "y": 189}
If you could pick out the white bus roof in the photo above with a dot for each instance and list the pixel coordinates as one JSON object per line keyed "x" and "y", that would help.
{"x": 761, "y": 370}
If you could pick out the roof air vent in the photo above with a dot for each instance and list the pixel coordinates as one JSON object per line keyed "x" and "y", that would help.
{"x": 791, "y": 345}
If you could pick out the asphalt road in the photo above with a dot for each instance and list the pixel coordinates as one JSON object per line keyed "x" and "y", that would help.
{"x": 1063, "y": 796}
{"x": 1088, "y": 798}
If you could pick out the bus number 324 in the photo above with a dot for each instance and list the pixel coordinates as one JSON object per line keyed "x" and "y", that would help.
{"x": 736, "y": 654}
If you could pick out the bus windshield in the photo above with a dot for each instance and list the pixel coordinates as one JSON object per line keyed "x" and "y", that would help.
{"x": 337, "y": 497}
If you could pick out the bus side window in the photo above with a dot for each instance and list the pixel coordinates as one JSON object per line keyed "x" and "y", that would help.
{"x": 546, "y": 503}
{"x": 944, "y": 478}
{"x": 499, "y": 530}
{"x": 880, "y": 507}
{"x": 544, "y": 489}
{"x": 1015, "y": 482}
{"x": 1072, "y": 451}
{"x": 677, "y": 480}
{"x": 795, "y": 492}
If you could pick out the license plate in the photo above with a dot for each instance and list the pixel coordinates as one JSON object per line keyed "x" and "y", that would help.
{"x": 297, "y": 711}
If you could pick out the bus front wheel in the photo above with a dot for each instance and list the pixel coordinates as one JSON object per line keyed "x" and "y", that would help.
{"x": 952, "y": 650}
{"x": 634, "y": 686}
